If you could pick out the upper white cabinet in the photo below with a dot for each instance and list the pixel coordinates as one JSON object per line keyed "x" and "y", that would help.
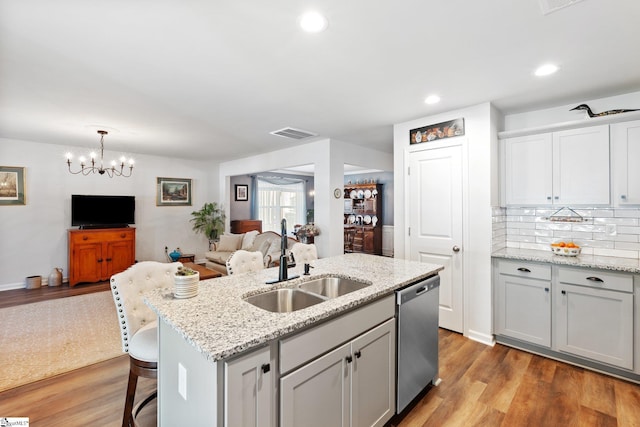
{"x": 625, "y": 152}
{"x": 569, "y": 167}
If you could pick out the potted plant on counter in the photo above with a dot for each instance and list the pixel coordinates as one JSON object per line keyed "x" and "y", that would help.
{"x": 209, "y": 220}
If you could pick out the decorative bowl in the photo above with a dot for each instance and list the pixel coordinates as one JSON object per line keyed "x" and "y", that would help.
{"x": 565, "y": 250}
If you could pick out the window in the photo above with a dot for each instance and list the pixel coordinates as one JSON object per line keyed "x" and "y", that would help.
{"x": 281, "y": 198}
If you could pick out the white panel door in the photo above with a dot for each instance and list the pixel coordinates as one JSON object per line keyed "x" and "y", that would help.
{"x": 529, "y": 170}
{"x": 625, "y": 149}
{"x": 435, "y": 218}
{"x": 581, "y": 166}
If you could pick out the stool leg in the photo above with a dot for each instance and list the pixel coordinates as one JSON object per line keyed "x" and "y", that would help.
{"x": 131, "y": 394}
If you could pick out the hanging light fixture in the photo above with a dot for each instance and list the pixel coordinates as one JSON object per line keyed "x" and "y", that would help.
{"x": 114, "y": 169}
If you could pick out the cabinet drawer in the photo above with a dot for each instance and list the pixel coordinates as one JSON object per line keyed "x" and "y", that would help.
{"x": 308, "y": 345}
{"x": 89, "y": 236}
{"x": 525, "y": 269}
{"x": 596, "y": 279}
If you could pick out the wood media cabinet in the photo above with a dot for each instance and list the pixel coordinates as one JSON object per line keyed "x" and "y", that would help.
{"x": 97, "y": 254}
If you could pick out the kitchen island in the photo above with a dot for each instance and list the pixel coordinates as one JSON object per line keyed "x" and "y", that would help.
{"x": 203, "y": 339}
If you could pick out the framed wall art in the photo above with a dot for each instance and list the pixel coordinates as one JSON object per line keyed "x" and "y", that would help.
{"x": 437, "y": 131}
{"x": 173, "y": 192}
{"x": 12, "y": 190}
{"x": 242, "y": 193}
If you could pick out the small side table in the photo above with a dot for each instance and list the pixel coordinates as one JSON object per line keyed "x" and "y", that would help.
{"x": 187, "y": 258}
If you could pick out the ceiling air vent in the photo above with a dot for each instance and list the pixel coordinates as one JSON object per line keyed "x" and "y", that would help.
{"x": 549, "y": 6}
{"x": 293, "y": 133}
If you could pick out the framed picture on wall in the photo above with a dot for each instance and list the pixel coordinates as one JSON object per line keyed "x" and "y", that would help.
{"x": 242, "y": 193}
{"x": 12, "y": 186}
{"x": 173, "y": 191}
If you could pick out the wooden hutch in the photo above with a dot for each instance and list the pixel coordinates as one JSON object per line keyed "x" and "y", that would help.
{"x": 363, "y": 218}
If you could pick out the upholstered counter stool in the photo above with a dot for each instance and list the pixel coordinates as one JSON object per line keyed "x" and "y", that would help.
{"x": 242, "y": 261}
{"x": 139, "y": 325}
{"x": 303, "y": 253}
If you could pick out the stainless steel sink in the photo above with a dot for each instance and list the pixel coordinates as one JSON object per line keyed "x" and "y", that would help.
{"x": 332, "y": 287}
{"x": 284, "y": 300}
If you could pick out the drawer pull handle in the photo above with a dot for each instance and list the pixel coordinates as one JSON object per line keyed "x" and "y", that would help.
{"x": 109, "y": 259}
{"x": 266, "y": 368}
{"x": 349, "y": 359}
{"x": 99, "y": 259}
{"x": 358, "y": 354}
{"x": 595, "y": 279}
{"x": 524, "y": 270}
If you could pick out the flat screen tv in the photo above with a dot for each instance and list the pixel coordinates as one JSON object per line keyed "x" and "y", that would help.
{"x": 102, "y": 211}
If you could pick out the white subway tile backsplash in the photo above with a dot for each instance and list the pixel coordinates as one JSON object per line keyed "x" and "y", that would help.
{"x": 615, "y": 253}
{"x": 627, "y": 213}
{"x": 530, "y": 228}
{"x": 628, "y": 230}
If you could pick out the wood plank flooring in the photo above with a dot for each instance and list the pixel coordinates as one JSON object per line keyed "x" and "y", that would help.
{"x": 16, "y": 297}
{"x": 481, "y": 386}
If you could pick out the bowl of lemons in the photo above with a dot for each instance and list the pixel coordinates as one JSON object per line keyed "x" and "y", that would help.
{"x": 565, "y": 248}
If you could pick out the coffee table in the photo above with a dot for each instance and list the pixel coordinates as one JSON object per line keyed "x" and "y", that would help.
{"x": 205, "y": 273}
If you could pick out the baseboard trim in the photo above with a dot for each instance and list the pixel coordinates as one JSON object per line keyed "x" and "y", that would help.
{"x": 12, "y": 286}
{"x": 481, "y": 338}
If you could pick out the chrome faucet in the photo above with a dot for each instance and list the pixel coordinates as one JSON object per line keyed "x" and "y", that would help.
{"x": 283, "y": 274}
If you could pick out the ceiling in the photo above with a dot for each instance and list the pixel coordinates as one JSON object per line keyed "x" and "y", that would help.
{"x": 210, "y": 79}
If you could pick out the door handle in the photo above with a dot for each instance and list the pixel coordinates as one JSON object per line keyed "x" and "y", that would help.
{"x": 266, "y": 368}
{"x": 456, "y": 248}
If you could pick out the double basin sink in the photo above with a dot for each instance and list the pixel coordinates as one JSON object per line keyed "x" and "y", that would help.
{"x": 305, "y": 294}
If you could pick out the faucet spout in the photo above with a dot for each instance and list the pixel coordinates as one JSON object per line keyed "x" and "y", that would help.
{"x": 283, "y": 274}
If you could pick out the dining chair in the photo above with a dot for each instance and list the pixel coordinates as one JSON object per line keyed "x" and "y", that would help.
{"x": 303, "y": 253}
{"x": 242, "y": 261}
{"x": 139, "y": 324}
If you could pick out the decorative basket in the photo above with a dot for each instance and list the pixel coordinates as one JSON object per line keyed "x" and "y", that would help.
{"x": 564, "y": 251}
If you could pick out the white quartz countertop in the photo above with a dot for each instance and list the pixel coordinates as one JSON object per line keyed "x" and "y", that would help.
{"x": 629, "y": 265}
{"x": 219, "y": 323}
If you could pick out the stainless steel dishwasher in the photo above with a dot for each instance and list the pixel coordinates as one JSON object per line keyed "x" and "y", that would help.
{"x": 417, "y": 307}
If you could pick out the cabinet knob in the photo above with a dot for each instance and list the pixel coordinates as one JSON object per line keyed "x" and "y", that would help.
{"x": 563, "y": 292}
{"x": 99, "y": 259}
{"x": 456, "y": 249}
{"x": 109, "y": 259}
{"x": 266, "y": 368}
{"x": 623, "y": 197}
{"x": 524, "y": 270}
{"x": 547, "y": 289}
{"x": 85, "y": 238}
{"x": 123, "y": 235}
{"x": 557, "y": 197}
{"x": 548, "y": 197}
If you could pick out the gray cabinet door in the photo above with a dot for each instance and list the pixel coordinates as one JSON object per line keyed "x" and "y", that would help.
{"x": 318, "y": 394}
{"x": 523, "y": 309}
{"x": 373, "y": 376}
{"x": 595, "y": 323}
{"x": 249, "y": 390}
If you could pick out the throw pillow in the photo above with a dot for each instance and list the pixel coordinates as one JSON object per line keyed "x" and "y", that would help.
{"x": 248, "y": 239}
{"x": 230, "y": 242}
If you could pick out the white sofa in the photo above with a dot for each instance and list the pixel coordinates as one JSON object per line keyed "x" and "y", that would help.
{"x": 268, "y": 243}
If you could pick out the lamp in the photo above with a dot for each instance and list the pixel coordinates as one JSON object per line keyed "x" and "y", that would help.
{"x": 111, "y": 171}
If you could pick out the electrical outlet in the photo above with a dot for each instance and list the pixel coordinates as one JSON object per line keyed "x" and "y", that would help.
{"x": 611, "y": 230}
{"x": 182, "y": 381}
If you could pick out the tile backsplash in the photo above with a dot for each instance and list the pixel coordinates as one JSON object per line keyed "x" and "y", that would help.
{"x": 605, "y": 231}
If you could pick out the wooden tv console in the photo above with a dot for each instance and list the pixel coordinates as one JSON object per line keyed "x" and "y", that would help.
{"x": 96, "y": 254}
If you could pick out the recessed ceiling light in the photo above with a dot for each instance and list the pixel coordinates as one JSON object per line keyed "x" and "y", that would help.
{"x": 313, "y": 22}
{"x": 546, "y": 69}
{"x": 432, "y": 99}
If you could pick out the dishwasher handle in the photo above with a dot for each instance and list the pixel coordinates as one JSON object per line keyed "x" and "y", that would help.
{"x": 414, "y": 290}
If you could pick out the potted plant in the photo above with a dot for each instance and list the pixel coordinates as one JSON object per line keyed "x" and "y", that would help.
{"x": 186, "y": 282}
{"x": 209, "y": 220}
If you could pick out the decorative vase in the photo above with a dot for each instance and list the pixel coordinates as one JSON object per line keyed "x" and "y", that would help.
{"x": 55, "y": 278}
{"x": 175, "y": 255}
{"x": 34, "y": 282}
{"x": 186, "y": 286}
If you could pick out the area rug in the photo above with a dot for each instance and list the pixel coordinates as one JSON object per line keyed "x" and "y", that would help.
{"x": 47, "y": 338}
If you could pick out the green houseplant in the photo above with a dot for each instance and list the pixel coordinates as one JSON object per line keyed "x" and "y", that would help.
{"x": 209, "y": 220}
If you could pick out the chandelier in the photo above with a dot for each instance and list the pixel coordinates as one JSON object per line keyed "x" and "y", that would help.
{"x": 114, "y": 169}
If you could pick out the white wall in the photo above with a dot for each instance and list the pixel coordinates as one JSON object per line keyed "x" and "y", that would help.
{"x": 33, "y": 238}
{"x": 478, "y": 191}
{"x": 328, "y": 157}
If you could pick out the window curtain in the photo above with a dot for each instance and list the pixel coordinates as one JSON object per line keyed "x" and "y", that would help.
{"x": 280, "y": 197}
{"x": 254, "y": 198}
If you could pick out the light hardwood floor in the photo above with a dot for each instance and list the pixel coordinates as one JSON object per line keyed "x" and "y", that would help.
{"x": 481, "y": 386}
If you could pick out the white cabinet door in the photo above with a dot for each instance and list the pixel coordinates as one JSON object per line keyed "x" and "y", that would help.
{"x": 581, "y": 166}
{"x": 318, "y": 394}
{"x": 595, "y": 323}
{"x": 625, "y": 150}
{"x": 373, "y": 376}
{"x": 528, "y": 170}
{"x": 249, "y": 390}
{"x": 523, "y": 309}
